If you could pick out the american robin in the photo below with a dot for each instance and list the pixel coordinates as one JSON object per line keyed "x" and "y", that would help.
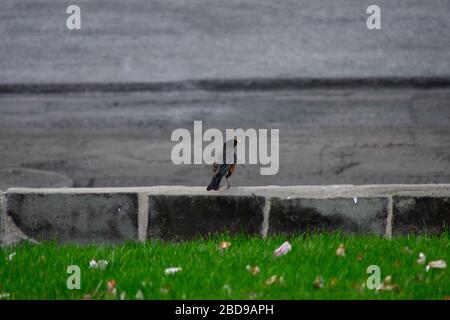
{"x": 224, "y": 169}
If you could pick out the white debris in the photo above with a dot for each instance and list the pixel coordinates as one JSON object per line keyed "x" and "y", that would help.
{"x": 101, "y": 264}
{"x": 355, "y": 200}
{"x": 340, "y": 251}
{"x": 283, "y": 249}
{"x": 422, "y": 258}
{"x": 139, "y": 295}
{"x": 254, "y": 270}
{"x": 11, "y": 256}
{"x": 4, "y": 296}
{"x": 439, "y": 264}
{"x": 172, "y": 270}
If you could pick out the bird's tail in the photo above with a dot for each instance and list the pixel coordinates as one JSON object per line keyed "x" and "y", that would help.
{"x": 215, "y": 182}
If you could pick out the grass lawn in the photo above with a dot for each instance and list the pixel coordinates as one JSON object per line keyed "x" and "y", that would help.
{"x": 311, "y": 270}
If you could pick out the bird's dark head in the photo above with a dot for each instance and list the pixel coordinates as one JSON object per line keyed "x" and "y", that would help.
{"x": 235, "y": 142}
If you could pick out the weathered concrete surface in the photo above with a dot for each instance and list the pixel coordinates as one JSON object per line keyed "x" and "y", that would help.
{"x": 32, "y": 178}
{"x": 164, "y": 40}
{"x": 421, "y": 214}
{"x": 98, "y": 215}
{"x": 9, "y": 232}
{"x": 327, "y": 136}
{"x": 319, "y": 192}
{"x": 191, "y": 216}
{"x": 358, "y": 215}
{"x": 80, "y": 218}
{"x": 2, "y": 215}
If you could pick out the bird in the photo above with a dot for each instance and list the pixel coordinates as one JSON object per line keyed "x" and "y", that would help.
{"x": 224, "y": 169}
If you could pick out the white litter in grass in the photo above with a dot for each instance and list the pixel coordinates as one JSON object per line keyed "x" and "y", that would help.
{"x": 421, "y": 259}
{"x": 139, "y": 295}
{"x": 274, "y": 279}
{"x": 254, "y": 270}
{"x": 224, "y": 245}
{"x": 439, "y": 264}
{"x": 172, "y": 270}
{"x": 5, "y": 295}
{"x": 101, "y": 264}
{"x": 340, "y": 251}
{"x": 11, "y": 256}
{"x": 387, "y": 285}
{"x": 111, "y": 284}
{"x": 283, "y": 249}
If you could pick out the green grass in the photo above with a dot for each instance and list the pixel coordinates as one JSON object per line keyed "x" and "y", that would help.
{"x": 39, "y": 271}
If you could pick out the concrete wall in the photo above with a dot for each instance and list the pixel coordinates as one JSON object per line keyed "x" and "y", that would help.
{"x": 2, "y": 215}
{"x": 113, "y": 215}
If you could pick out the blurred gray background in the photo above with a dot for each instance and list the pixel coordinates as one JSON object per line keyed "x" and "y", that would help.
{"x": 167, "y": 40}
{"x": 328, "y": 135}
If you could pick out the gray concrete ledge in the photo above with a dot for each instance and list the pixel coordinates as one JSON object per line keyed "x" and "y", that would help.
{"x": 113, "y": 215}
